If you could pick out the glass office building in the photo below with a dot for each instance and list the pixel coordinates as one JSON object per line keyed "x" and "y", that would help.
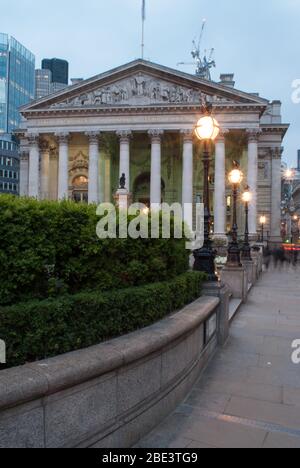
{"x": 17, "y": 81}
{"x": 9, "y": 165}
{"x": 59, "y": 69}
{"x": 43, "y": 83}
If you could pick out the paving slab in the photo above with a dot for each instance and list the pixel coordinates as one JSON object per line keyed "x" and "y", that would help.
{"x": 249, "y": 396}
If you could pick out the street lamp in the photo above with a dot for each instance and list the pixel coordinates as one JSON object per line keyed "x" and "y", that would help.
{"x": 246, "y": 251}
{"x": 263, "y": 221}
{"x": 234, "y": 255}
{"x": 207, "y": 129}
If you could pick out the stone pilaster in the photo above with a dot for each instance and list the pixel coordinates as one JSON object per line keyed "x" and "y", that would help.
{"x": 275, "y": 235}
{"x": 253, "y": 137}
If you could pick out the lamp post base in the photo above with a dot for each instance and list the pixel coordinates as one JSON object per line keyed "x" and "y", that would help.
{"x": 205, "y": 261}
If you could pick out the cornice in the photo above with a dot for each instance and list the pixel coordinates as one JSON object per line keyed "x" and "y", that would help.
{"x": 163, "y": 109}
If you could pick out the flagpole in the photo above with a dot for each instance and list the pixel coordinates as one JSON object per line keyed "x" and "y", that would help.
{"x": 143, "y": 27}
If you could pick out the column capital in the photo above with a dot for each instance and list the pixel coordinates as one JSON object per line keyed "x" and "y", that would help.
{"x": 156, "y": 134}
{"x": 124, "y": 135}
{"x": 33, "y": 138}
{"x": 253, "y": 134}
{"x": 44, "y": 145}
{"x": 222, "y": 134}
{"x": 94, "y": 137}
{"x": 63, "y": 137}
{"x": 187, "y": 135}
{"x": 24, "y": 156}
{"x": 276, "y": 153}
{"x": 53, "y": 152}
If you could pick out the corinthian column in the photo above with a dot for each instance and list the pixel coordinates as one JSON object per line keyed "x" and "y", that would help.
{"x": 187, "y": 178}
{"x": 94, "y": 167}
{"x": 220, "y": 187}
{"x": 124, "y": 136}
{"x": 34, "y": 156}
{"x": 253, "y": 136}
{"x": 45, "y": 169}
{"x": 155, "y": 192}
{"x": 63, "y": 166}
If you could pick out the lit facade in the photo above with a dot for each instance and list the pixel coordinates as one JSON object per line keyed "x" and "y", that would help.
{"x": 139, "y": 120}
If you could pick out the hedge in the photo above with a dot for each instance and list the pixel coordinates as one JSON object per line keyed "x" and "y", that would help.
{"x": 42, "y": 329}
{"x": 49, "y": 249}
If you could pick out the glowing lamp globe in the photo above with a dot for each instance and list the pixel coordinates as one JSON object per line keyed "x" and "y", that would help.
{"x": 207, "y": 128}
{"x": 235, "y": 177}
{"x": 247, "y": 196}
{"x": 263, "y": 220}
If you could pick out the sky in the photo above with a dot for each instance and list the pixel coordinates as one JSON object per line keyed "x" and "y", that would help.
{"x": 258, "y": 40}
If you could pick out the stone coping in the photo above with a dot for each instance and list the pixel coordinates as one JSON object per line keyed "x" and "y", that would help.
{"x": 40, "y": 379}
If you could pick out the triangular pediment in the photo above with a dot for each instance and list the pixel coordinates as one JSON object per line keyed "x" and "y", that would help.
{"x": 141, "y": 84}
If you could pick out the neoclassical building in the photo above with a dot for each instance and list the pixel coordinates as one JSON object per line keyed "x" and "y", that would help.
{"x": 138, "y": 119}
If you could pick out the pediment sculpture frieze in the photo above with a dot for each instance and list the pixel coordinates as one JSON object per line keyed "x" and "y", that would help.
{"x": 138, "y": 90}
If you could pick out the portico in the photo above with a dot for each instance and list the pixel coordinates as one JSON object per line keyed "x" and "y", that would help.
{"x": 138, "y": 120}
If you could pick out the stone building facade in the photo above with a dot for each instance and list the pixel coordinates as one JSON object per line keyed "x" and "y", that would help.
{"x": 139, "y": 120}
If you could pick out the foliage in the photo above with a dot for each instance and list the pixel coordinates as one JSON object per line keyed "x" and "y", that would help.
{"x": 49, "y": 249}
{"x": 40, "y": 329}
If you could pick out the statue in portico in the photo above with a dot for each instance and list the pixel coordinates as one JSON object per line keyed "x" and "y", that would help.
{"x": 123, "y": 182}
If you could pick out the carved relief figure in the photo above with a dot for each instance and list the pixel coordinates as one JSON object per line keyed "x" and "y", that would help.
{"x": 146, "y": 89}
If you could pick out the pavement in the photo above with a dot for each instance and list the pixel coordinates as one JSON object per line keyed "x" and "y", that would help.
{"x": 249, "y": 395}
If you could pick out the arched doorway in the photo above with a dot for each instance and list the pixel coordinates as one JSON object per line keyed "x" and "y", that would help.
{"x": 142, "y": 188}
{"x": 80, "y": 189}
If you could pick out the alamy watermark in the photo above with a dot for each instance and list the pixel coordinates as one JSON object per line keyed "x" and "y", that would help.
{"x": 2, "y": 352}
{"x": 163, "y": 221}
{"x": 296, "y": 352}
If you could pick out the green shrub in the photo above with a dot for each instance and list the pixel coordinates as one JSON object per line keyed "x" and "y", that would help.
{"x": 48, "y": 249}
{"x": 39, "y": 329}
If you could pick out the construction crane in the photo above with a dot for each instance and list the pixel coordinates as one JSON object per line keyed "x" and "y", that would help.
{"x": 205, "y": 63}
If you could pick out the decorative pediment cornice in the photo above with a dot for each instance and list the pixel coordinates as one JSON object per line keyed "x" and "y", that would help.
{"x": 141, "y": 85}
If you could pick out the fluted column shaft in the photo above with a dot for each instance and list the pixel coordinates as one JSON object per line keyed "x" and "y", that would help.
{"x": 34, "y": 157}
{"x": 155, "y": 190}
{"x": 220, "y": 187}
{"x": 63, "y": 166}
{"x": 93, "y": 195}
{"x": 124, "y": 167}
{"x": 187, "y": 178}
{"x": 253, "y": 136}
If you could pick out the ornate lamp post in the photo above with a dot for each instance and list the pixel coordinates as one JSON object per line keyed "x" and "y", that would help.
{"x": 207, "y": 130}
{"x": 246, "y": 251}
{"x": 263, "y": 221}
{"x": 234, "y": 255}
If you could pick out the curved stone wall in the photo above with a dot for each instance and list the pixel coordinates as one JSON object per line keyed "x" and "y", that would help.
{"x": 109, "y": 395}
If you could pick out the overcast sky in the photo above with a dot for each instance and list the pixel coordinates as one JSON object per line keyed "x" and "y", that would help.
{"x": 257, "y": 40}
